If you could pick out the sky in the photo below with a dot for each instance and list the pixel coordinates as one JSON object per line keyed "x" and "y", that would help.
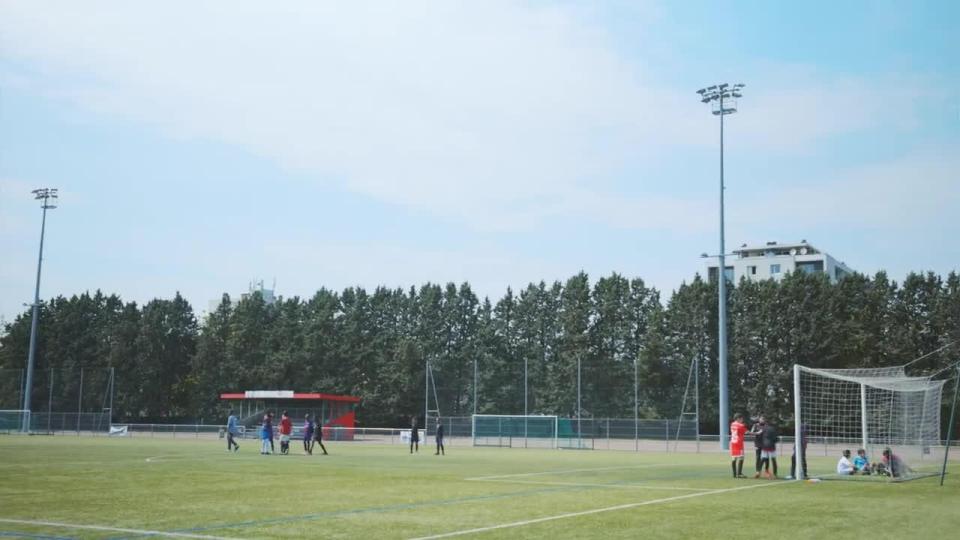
{"x": 202, "y": 145}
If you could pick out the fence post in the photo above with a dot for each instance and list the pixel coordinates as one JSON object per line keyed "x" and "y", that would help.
{"x": 666, "y": 438}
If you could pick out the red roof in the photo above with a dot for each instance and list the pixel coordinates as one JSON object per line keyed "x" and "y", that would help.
{"x": 283, "y": 394}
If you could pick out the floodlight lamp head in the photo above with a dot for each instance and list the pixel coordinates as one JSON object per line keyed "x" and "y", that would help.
{"x": 703, "y": 255}
{"x": 723, "y": 86}
{"x": 701, "y": 91}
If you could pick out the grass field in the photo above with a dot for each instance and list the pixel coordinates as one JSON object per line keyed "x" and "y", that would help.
{"x": 82, "y": 487}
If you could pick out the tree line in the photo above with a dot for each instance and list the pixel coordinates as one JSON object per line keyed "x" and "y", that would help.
{"x": 171, "y": 366}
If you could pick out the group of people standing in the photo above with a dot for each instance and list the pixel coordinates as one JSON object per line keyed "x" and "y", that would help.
{"x": 765, "y": 439}
{"x": 415, "y": 437}
{"x": 312, "y": 434}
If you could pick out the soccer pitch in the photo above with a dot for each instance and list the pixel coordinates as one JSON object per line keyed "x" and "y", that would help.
{"x": 84, "y": 487}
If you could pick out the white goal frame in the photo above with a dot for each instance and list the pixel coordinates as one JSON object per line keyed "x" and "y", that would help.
{"x": 871, "y": 381}
{"x": 507, "y": 440}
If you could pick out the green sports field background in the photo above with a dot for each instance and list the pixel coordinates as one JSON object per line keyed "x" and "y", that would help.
{"x": 195, "y": 489}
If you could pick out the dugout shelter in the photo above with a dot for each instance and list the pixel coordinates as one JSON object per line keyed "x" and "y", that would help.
{"x": 336, "y": 414}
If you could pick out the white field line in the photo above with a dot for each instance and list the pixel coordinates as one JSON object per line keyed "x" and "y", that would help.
{"x": 587, "y": 484}
{"x": 37, "y": 523}
{"x": 565, "y": 471}
{"x": 595, "y": 511}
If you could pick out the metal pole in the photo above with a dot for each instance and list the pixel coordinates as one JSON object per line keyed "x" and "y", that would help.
{"x": 953, "y": 412}
{"x": 525, "y": 412}
{"x": 426, "y": 393}
{"x": 50, "y": 400}
{"x": 636, "y": 410}
{"x": 722, "y": 318}
{"x": 475, "y": 384}
{"x": 863, "y": 415}
{"x": 112, "y": 383}
{"x": 696, "y": 397}
{"x": 20, "y": 388}
{"x": 579, "y": 431}
{"x": 798, "y": 421}
{"x": 31, "y": 355}
{"x": 80, "y": 401}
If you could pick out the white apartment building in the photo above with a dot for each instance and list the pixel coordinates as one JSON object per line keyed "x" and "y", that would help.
{"x": 773, "y": 261}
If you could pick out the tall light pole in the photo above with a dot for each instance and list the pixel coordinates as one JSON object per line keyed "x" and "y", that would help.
{"x": 723, "y": 96}
{"x": 49, "y": 197}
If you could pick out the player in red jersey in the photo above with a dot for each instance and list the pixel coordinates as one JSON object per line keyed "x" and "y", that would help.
{"x": 738, "y": 431}
{"x": 286, "y": 429}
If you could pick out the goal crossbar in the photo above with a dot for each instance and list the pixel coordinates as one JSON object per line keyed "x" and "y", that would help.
{"x": 893, "y": 417}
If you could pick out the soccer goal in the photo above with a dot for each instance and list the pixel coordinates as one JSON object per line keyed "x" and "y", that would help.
{"x": 12, "y": 420}
{"x": 893, "y": 417}
{"x": 517, "y": 431}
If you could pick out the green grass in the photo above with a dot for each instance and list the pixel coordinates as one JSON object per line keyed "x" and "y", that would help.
{"x": 362, "y": 491}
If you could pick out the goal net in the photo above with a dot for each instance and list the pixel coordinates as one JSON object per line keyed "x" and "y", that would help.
{"x": 517, "y": 431}
{"x": 11, "y": 420}
{"x": 894, "y": 418}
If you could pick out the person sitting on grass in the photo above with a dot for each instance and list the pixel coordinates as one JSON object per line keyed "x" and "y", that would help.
{"x": 894, "y": 464}
{"x": 860, "y": 463}
{"x": 844, "y": 467}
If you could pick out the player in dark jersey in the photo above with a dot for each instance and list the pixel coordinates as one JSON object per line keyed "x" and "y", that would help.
{"x": 318, "y": 438}
{"x": 768, "y": 447}
{"x": 307, "y": 435}
{"x": 756, "y": 429}
{"x": 414, "y": 435}
{"x": 439, "y": 437}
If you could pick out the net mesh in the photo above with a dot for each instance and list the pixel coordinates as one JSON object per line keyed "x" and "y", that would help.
{"x": 11, "y": 420}
{"x": 894, "y": 418}
{"x": 515, "y": 431}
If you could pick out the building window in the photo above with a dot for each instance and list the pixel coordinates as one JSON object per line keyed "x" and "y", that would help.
{"x": 810, "y": 267}
{"x": 728, "y": 273}
{"x": 774, "y": 268}
{"x": 752, "y": 270}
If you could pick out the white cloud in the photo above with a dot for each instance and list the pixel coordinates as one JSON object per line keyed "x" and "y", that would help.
{"x": 499, "y": 114}
{"x": 916, "y": 191}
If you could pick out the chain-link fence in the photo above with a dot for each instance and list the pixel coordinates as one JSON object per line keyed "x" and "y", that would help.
{"x": 78, "y": 399}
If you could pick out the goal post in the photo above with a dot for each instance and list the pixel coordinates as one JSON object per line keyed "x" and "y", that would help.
{"x": 13, "y": 420}
{"x": 893, "y": 417}
{"x": 514, "y": 431}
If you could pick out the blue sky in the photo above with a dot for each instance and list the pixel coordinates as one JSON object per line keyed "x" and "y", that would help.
{"x": 200, "y": 145}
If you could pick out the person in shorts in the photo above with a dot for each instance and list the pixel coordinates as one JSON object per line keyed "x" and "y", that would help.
{"x": 738, "y": 431}
{"x": 768, "y": 449}
{"x": 233, "y": 430}
{"x": 755, "y": 430}
{"x": 318, "y": 438}
{"x": 439, "y": 437}
{"x": 414, "y": 435}
{"x": 286, "y": 429}
{"x": 307, "y": 435}
{"x": 266, "y": 435}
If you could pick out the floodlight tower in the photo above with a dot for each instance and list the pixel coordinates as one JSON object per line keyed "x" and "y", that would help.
{"x": 723, "y": 96}
{"x": 49, "y": 198}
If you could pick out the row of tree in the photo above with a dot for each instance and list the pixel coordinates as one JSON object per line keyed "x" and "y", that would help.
{"x": 170, "y": 366}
